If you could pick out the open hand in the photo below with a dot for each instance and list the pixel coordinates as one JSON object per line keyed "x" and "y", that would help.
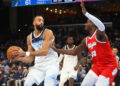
{"x": 83, "y": 7}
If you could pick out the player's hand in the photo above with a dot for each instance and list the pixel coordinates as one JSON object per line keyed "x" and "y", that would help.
{"x": 53, "y": 46}
{"x": 83, "y": 7}
{"x": 19, "y": 53}
{"x": 16, "y": 59}
{"x": 15, "y": 52}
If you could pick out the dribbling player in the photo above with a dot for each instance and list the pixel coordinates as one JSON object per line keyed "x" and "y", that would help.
{"x": 105, "y": 66}
{"x": 46, "y": 64}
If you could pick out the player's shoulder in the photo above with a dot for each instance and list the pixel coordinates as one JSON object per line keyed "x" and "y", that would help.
{"x": 48, "y": 32}
{"x": 28, "y": 36}
{"x": 28, "y": 39}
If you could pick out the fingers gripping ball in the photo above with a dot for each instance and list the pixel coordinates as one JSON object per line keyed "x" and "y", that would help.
{"x": 10, "y": 52}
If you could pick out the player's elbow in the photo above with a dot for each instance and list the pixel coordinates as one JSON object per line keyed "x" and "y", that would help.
{"x": 101, "y": 27}
{"x": 45, "y": 52}
{"x": 30, "y": 60}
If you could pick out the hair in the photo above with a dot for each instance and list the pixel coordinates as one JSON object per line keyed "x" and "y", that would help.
{"x": 69, "y": 37}
{"x": 36, "y": 16}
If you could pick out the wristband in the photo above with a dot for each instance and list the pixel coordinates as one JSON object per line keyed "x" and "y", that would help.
{"x": 27, "y": 53}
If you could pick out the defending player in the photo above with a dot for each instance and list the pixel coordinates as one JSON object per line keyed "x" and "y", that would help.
{"x": 105, "y": 66}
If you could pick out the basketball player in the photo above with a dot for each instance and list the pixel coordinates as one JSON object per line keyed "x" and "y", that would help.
{"x": 105, "y": 66}
{"x": 69, "y": 63}
{"x": 46, "y": 65}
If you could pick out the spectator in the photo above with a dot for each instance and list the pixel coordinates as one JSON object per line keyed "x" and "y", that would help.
{"x": 18, "y": 81}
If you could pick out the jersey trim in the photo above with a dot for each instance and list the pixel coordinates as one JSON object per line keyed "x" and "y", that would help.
{"x": 37, "y": 35}
{"x": 93, "y": 35}
{"x": 99, "y": 41}
{"x": 69, "y": 48}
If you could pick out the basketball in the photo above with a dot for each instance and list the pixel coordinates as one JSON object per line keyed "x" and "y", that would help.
{"x": 9, "y": 52}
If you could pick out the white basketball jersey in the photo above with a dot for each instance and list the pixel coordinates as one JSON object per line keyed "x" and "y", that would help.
{"x": 36, "y": 43}
{"x": 70, "y": 61}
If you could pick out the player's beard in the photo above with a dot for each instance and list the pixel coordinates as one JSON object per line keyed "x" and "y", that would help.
{"x": 39, "y": 28}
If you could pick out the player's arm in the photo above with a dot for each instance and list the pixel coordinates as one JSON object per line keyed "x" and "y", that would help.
{"x": 79, "y": 56}
{"x": 26, "y": 59}
{"x": 48, "y": 39}
{"x": 76, "y": 51}
{"x": 101, "y": 36}
{"x": 119, "y": 65}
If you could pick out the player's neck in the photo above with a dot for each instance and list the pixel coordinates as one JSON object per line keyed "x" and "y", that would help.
{"x": 70, "y": 46}
{"x": 92, "y": 31}
{"x": 37, "y": 32}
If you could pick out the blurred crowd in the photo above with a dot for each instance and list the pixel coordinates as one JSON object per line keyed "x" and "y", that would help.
{"x": 14, "y": 74}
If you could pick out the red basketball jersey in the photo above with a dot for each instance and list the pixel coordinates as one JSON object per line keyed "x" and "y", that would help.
{"x": 101, "y": 52}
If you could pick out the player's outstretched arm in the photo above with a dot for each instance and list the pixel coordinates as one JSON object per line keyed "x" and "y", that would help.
{"x": 76, "y": 51}
{"x": 79, "y": 56}
{"x": 101, "y": 28}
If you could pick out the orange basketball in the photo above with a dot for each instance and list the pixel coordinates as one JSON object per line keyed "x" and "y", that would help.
{"x": 10, "y": 50}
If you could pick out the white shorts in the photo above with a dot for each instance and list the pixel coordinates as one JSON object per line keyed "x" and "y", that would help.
{"x": 67, "y": 74}
{"x": 46, "y": 72}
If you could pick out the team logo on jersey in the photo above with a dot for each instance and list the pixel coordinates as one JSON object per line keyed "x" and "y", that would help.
{"x": 91, "y": 45}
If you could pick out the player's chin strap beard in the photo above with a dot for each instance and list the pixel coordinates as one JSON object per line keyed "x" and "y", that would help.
{"x": 39, "y": 28}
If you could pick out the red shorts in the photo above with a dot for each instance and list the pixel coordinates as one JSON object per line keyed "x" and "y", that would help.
{"x": 106, "y": 71}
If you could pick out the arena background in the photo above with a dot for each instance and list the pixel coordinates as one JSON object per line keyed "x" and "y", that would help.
{"x": 64, "y": 19}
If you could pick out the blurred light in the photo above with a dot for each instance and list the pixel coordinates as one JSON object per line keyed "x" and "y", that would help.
{"x": 47, "y": 9}
{"x": 55, "y": 9}
{"x": 19, "y": 30}
{"x": 51, "y": 10}
{"x": 60, "y": 12}
{"x": 26, "y": 25}
{"x": 64, "y": 11}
